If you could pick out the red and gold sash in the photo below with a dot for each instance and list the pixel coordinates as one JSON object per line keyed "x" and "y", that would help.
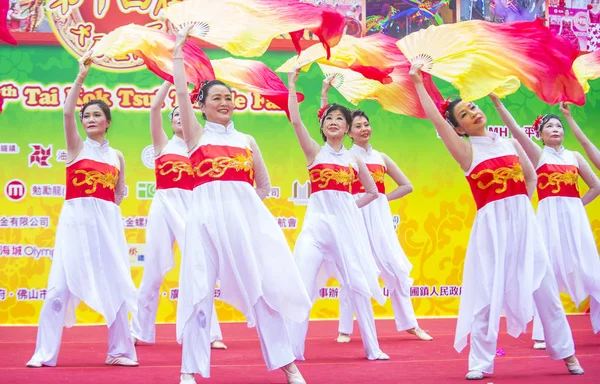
{"x": 557, "y": 180}
{"x": 174, "y": 171}
{"x": 377, "y": 172}
{"x": 220, "y": 162}
{"x": 496, "y": 179}
{"x": 90, "y": 178}
{"x": 331, "y": 177}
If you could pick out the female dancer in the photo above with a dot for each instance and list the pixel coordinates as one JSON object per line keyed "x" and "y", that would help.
{"x": 333, "y": 232}
{"x": 90, "y": 251}
{"x": 230, "y": 233}
{"x": 166, "y": 219}
{"x": 590, "y": 149}
{"x": 390, "y": 257}
{"x": 507, "y": 267}
{"x": 561, "y": 213}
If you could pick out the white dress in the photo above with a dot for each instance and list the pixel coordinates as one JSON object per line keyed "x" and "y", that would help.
{"x": 386, "y": 248}
{"x": 166, "y": 224}
{"x": 506, "y": 259}
{"x": 90, "y": 249}
{"x": 334, "y": 222}
{"x": 231, "y": 229}
{"x": 566, "y": 227}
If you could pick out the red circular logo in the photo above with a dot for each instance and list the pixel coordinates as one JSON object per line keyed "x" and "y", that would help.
{"x": 15, "y": 190}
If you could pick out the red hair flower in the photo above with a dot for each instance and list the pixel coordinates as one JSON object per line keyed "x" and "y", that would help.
{"x": 538, "y": 122}
{"x": 322, "y": 111}
{"x": 444, "y": 107}
{"x": 195, "y": 92}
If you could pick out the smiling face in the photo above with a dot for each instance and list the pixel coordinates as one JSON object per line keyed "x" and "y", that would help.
{"x": 95, "y": 121}
{"x": 217, "y": 104}
{"x": 552, "y": 132}
{"x": 469, "y": 119}
{"x": 334, "y": 125}
{"x": 360, "y": 131}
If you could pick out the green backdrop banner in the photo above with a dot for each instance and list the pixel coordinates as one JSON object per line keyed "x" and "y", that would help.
{"x": 432, "y": 223}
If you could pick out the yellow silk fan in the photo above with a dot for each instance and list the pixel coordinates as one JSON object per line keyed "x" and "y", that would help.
{"x": 304, "y": 60}
{"x": 444, "y": 52}
{"x": 587, "y": 67}
{"x": 397, "y": 97}
{"x": 220, "y": 23}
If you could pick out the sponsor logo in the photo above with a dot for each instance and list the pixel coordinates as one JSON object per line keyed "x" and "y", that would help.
{"x": 15, "y": 190}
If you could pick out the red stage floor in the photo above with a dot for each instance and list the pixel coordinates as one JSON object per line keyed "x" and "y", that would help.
{"x": 84, "y": 349}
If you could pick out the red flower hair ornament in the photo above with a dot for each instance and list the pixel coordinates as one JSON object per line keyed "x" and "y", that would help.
{"x": 323, "y": 112}
{"x": 537, "y": 123}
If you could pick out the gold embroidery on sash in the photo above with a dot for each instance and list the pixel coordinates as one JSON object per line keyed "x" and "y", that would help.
{"x": 555, "y": 178}
{"x": 178, "y": 167}
{"x": 92, "y": 178}
{"x": 219, "y": 165}
{"x": 500, "y": 176}
{"x": 325, "y": 175}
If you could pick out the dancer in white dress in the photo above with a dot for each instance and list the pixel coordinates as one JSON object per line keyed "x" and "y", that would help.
{"x": 385, "y": 247}
{"x": 333, "y": 234}
{"x": 231, "y": 234}
{"x": 590, "y": 149}
{"x": 561, "y": 213}
{"x": 90, "y": 261}
{"x": 166, "y": 219}
{"x": 507, "y": 267}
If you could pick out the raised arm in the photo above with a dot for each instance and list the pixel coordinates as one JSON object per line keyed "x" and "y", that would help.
{"x": 528, "y": 170}
{"x": 404, "y": 185}
{"x": 121, "y": 187}
{"x": 459, "y": 149}
{"x": 72, "y": 137}
{"x": 192, "y": 130}
{"x": 367, "y": 182}
{"x": 261, "y": 175}
{"x": 590, "y": 149}
{"x": 325, "y": 90}
{"x": 309, "y": 146}
{"x": 533, "y": 151}
{"x": 159, "y": 137}
{"x": 590, "y": 178}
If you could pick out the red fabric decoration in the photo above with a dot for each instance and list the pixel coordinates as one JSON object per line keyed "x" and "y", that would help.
{"x": 537, "y": 123}
{"x": 322, "y": 111}
{"x": 444, "y": 107}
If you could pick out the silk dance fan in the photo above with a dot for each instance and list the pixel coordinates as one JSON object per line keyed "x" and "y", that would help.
{"x": 399, "y": 96}
{"x": 587, "y": 67}
{"x": 246, "y": 27}
{"x": 374, "y": 56}
{"x": 479, "y": 57}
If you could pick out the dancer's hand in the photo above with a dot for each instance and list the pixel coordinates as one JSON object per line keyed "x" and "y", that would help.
{"x": 327, "y": 85}
{"x": 85, "y": 63}
{"x": 415, "y": 73}
{"x": 565, "y": 109}
{"x": 494, "y": 97}
{"x": 293, "y": 77}
{"x": 182, "y": 36}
